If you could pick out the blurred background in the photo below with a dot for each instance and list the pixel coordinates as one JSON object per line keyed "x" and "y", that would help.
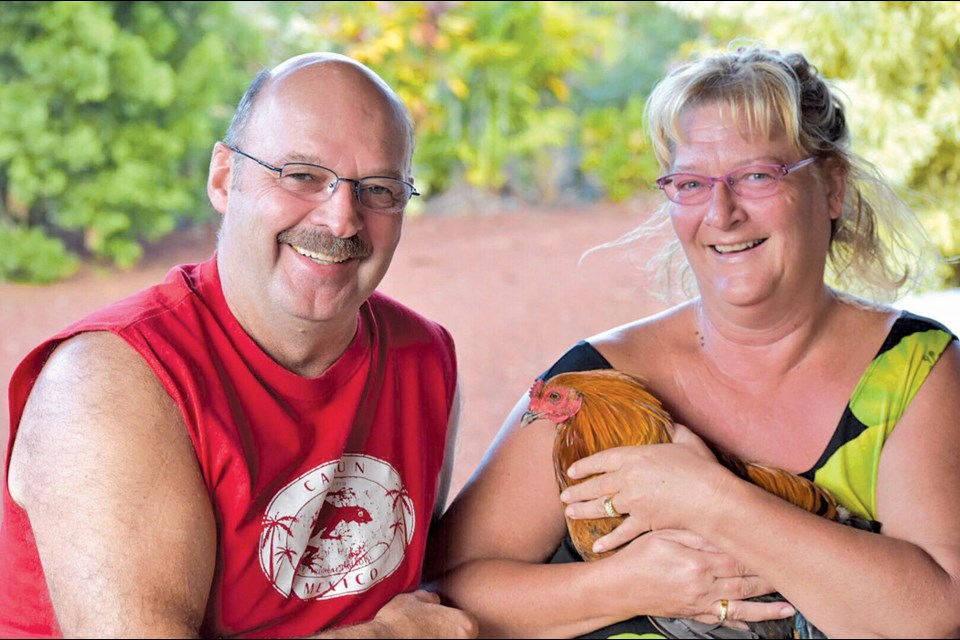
{"x": 108, "y": 109}
{"x": 530, "y": 149}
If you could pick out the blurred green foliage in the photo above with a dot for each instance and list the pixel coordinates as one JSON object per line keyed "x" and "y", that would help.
{"x": 107, "y": 113}
{"x": 533, "y": 99}
{"x": 614, "y": 146}
{"x": 29, "y": 255}
{"x": 108, "y": 109}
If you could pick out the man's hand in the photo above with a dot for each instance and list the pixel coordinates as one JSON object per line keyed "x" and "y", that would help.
{"x": 420, "y": 615}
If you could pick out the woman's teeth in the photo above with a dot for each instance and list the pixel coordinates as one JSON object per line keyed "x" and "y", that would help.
{"x": 734, "y": 248}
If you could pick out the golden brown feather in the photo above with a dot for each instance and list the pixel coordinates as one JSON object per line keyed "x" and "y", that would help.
{"x": 601, "y": 409}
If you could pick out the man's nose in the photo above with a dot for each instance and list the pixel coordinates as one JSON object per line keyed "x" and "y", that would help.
{"x": 341, "y": 211}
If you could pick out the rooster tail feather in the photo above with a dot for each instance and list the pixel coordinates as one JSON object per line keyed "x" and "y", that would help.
{"x": 795, "y": 489}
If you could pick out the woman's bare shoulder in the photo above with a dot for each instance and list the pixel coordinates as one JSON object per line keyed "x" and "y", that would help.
{"x": 668, "y": 330}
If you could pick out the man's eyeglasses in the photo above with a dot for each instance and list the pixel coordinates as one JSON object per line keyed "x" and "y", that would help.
{"x": 318, "y": 183}
{"x": 752, "y": 181}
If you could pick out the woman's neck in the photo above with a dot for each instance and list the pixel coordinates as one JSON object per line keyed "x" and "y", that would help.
{"x": 761, "y": 343}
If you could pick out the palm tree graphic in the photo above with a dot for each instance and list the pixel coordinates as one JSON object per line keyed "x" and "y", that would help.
{"x": 400, "y": 497}
{"x": 286, "y": 553}
{"x": 270, "y": 525}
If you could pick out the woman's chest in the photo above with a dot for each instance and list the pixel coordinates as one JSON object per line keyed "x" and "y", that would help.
{"x": 786, "y": 423}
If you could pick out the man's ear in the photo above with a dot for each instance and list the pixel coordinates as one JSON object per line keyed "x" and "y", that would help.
{"x": 220, "y": 178}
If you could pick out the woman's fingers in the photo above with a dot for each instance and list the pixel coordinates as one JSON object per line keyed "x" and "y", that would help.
{"x": 628, "y": 530}
{"x": 595, "y": 489}
{"x": 741, "y": 587}
{"x": 739, "y": 611}
{"x": 602, "y": 462}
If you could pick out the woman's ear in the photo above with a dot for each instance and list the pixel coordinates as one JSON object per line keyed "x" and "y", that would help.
{"x": 220, "y": 177}
{"x": 835, "y": 175}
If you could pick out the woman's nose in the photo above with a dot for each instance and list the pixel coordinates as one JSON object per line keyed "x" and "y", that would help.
{"x": 724, "y": 207}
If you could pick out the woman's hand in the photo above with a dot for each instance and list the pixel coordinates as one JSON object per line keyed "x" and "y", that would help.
{"x": 675, "y": 573}
{"x": 659, "y": 486}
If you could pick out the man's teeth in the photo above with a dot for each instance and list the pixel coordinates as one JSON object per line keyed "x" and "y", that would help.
{"x": 319, "y": 257}
{"x": 733, "y": 248}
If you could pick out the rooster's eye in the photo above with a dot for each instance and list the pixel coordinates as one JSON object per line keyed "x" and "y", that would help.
{"x": 554, "y": 396}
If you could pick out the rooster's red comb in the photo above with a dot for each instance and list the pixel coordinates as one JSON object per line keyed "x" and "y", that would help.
{"x": 536, "y": 388}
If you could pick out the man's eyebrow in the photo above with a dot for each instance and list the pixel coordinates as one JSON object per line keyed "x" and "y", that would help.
{"x": 301, "y": 158}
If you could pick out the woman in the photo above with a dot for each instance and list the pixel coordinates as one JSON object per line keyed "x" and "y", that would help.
{"x": 763, "y": 194}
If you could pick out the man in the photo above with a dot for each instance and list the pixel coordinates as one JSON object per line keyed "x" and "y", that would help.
{"x": 254, "y": 446}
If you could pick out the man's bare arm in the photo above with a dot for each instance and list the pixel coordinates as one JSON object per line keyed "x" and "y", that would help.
{"x": 105, "y": 469}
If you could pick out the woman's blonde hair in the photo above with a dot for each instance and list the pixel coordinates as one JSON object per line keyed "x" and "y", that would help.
{"x": 877, "y": 245}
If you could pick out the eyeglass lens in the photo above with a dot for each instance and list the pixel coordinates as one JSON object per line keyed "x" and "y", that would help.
{"x": 755, "y": 181}
{"x": 385, "y": 194}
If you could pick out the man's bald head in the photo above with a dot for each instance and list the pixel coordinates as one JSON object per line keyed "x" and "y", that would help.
{"x": 272, "y": 80}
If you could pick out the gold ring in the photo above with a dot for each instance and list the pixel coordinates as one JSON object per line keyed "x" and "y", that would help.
{"x": 723, "y": 612}
{"x": 610, "y": 509}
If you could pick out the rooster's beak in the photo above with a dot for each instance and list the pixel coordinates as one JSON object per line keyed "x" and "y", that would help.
{"x": 529, "y": 417}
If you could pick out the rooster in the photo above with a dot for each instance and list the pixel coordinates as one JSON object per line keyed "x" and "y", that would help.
{"x": 605, "y": 408}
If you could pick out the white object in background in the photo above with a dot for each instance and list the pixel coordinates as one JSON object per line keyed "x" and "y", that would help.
{"x": 942, "y": 306}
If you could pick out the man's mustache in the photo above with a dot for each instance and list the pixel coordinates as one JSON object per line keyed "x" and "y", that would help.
{"x": 317, "y": 241}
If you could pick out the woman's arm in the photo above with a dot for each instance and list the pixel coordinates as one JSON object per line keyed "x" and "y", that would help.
{"x": 488, "y": 550}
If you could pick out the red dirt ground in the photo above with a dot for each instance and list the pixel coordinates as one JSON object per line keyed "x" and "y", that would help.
{"x": 507, "y": 286}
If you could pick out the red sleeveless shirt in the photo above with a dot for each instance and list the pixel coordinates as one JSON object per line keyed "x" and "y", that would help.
{"x": 322, "y": 488}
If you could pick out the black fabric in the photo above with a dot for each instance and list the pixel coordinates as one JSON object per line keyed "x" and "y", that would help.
{"x": 580, "y": 357}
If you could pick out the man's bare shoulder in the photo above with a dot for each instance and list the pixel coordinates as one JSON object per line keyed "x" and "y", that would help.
{"x": 94, "y": 393}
